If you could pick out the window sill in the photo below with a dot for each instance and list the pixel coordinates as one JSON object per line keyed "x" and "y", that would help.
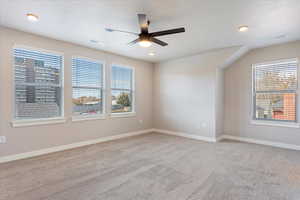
{"x": 278, "y": 124}
{"x": 36, "y": 122}
{"x": 86, "y": 118}
{"x": 128, "y": 114}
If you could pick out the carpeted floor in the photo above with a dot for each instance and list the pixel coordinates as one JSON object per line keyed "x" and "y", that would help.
{"x": 156, "y": 167}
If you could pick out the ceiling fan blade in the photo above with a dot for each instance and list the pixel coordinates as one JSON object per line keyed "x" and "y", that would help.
{"x": 157, "y": 41}
{"x": 167, "y": 32}
{"x": 116, "y": 30}
{"x": 143, "y": 23}
{"x": 134, "y": 42}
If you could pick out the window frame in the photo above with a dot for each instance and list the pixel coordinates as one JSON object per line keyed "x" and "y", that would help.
{"x": 38, "y": 121}
{"x": 103, "y": 89}
{"x": 132, "y": 113}
{"x": 275, "y": 122}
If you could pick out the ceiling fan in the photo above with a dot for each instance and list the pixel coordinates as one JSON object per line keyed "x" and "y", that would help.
{"x": 145, "y": 39}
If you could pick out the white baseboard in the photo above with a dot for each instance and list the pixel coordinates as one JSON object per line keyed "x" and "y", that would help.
{"x": 125, "y": 135}
{"x": 220, "y": 138}
{"x": 186, "y": 135}
{"x": 70, "y": 146}
{"x": 262, "y": 142}
{"x": 230, "y": 137}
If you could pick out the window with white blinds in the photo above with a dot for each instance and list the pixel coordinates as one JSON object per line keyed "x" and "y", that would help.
{"x": 38, "y": 84}
{"x": 87, "y": 83}
{"x": 275, "y": 91}
{"x": 122, "y": 89}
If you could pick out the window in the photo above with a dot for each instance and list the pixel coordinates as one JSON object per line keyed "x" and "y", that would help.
{"x": 87, "y": 83}
{"x": 38, "y": 84}
{"x": 122, "y": 90}
{"x": 275, "y": 91}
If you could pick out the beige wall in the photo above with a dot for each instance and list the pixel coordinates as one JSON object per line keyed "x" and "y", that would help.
{"x": 27, "y": 139}
{"x": 1, "y": 85}
{"x": 238, "y": 96}
{"x": 219, "y": 102}
{"x": 185, "y": 93}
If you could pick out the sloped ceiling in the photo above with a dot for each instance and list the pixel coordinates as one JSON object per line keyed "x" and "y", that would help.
{"x": 209, "y": 24}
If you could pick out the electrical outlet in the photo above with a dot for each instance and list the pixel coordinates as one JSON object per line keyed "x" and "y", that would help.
{"x": 2, "y": 139}
{"x": 141, "y": 121}
{"x": 201, "y": 125}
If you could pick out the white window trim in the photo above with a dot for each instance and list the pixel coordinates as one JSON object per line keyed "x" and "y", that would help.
{"x": 123, "y": 114}
{"x": 281, "y": 61}
{"x": 275, "y": 122}
{"x": 132, "y": 113}
{"x": 77, "y": 118}
{"x": 41, "y": 121}
{"x": 88, "y": 117}
{"x": 35, "y": 122}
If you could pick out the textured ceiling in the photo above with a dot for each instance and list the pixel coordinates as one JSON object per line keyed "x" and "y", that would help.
{"x": 209, "y": 24}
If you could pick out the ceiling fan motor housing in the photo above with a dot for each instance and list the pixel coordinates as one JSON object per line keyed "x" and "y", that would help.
{"x": 144, "y": 36}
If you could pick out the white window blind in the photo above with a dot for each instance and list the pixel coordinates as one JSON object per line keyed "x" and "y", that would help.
{"x": 275, "y": 91}
{"x": 38, "y": 84}
{"x": 122, "y": 90}
{"x": 87, "y": 82}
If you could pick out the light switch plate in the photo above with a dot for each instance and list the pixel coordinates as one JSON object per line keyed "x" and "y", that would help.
{"x": 2, "y": 139}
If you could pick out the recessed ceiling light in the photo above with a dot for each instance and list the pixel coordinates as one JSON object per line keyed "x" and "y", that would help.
{"x": 97, "y": 42}
{"x": 280, "y": 37}
{"x": 32, "y": 17}
{"x": 94, "y": 41}
{"x": 151, "y": 54}
{"x": 243, "y": 28}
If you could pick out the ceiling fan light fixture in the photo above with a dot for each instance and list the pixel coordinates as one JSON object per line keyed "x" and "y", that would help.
{"x": 243, "y": 28}
{"x": 145, "y": 43}
{"x": 32, "y": 17}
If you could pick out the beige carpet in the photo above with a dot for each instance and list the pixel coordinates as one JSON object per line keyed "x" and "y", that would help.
{"x": 156, "y": 167}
